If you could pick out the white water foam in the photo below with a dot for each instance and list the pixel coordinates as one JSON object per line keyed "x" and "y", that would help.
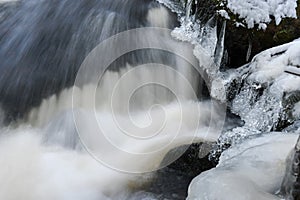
{"x": 43, "y": 158}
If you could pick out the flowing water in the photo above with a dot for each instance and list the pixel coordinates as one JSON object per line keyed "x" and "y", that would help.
{"x": 85, "y": 116}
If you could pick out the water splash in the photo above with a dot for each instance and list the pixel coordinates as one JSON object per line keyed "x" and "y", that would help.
{"x": 42, "y": 98}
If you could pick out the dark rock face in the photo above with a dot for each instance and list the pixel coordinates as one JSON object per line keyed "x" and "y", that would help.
{"x": 172, "y": 182}
{"x": 238, "y": 39}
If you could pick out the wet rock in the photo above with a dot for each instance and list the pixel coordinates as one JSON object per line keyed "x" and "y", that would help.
{"x": 172, "y": 182}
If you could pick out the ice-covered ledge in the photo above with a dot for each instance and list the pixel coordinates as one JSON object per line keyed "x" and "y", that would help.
{"x": 251, "y": 170}
{"x": 265, "y": 93}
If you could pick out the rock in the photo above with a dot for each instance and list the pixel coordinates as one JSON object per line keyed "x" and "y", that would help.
{"x": 172, "y": 182}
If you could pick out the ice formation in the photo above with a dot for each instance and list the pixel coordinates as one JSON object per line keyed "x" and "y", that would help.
{"x": 266, "y": 92}
{"x": 251, "y": 170}
{"x": 208, "y": 45}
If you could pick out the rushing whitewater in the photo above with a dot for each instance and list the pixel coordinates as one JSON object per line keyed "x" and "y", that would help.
{"x": 69, "y": 131}
{"x": 96, "y": 96}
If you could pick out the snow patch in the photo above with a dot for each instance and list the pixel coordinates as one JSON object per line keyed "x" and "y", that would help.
{"x": 259, "y": 11}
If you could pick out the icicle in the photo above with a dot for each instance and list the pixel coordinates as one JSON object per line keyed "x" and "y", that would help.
{"x": 297, "y": 146}
{"x": 209, "y": 36}
{"x": 188, "y": 8}
{"x": 249, "y": 50}
{"x": 182, "y": 3}
{"x": 220, "y": 45}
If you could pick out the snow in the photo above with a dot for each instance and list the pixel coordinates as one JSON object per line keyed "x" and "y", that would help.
{"x": 259, "y": 11}
{"x": 263, "y": 88}
{"x": 251, "y": 170}
{"x": 224, "y": 14}
{"x": 271, "y": 63}
{"x": 267, "y": 73}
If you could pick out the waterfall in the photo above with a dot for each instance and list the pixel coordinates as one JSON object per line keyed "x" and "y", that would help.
{"x": 92, "y": 89}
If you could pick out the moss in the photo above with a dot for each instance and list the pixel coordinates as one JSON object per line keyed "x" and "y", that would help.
{"x": 284, "y": 35}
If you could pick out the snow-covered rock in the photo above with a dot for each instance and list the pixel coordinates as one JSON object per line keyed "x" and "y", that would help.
{"x": 260, "y": 11}
{"x": 263, "y": 94}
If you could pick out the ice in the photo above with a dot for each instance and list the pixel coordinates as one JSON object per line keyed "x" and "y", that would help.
{"x": 251, "y": 170}
{"x": 260, "y": 93}
{"x": 260, "y": 100}
{"x": 219, "y": 52}
{"x": 209, "y": 49}
{"x": 208, "y": 44}
{"x": 175, "y": 6}
{"x": 257, "y": 92}
{"x": 266, "y": 75}
{"x": 296, "y": 111}
{"x": 224, "y": 14}
{"x": 263, "y": 94}
{"x": 188, "y": 8}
